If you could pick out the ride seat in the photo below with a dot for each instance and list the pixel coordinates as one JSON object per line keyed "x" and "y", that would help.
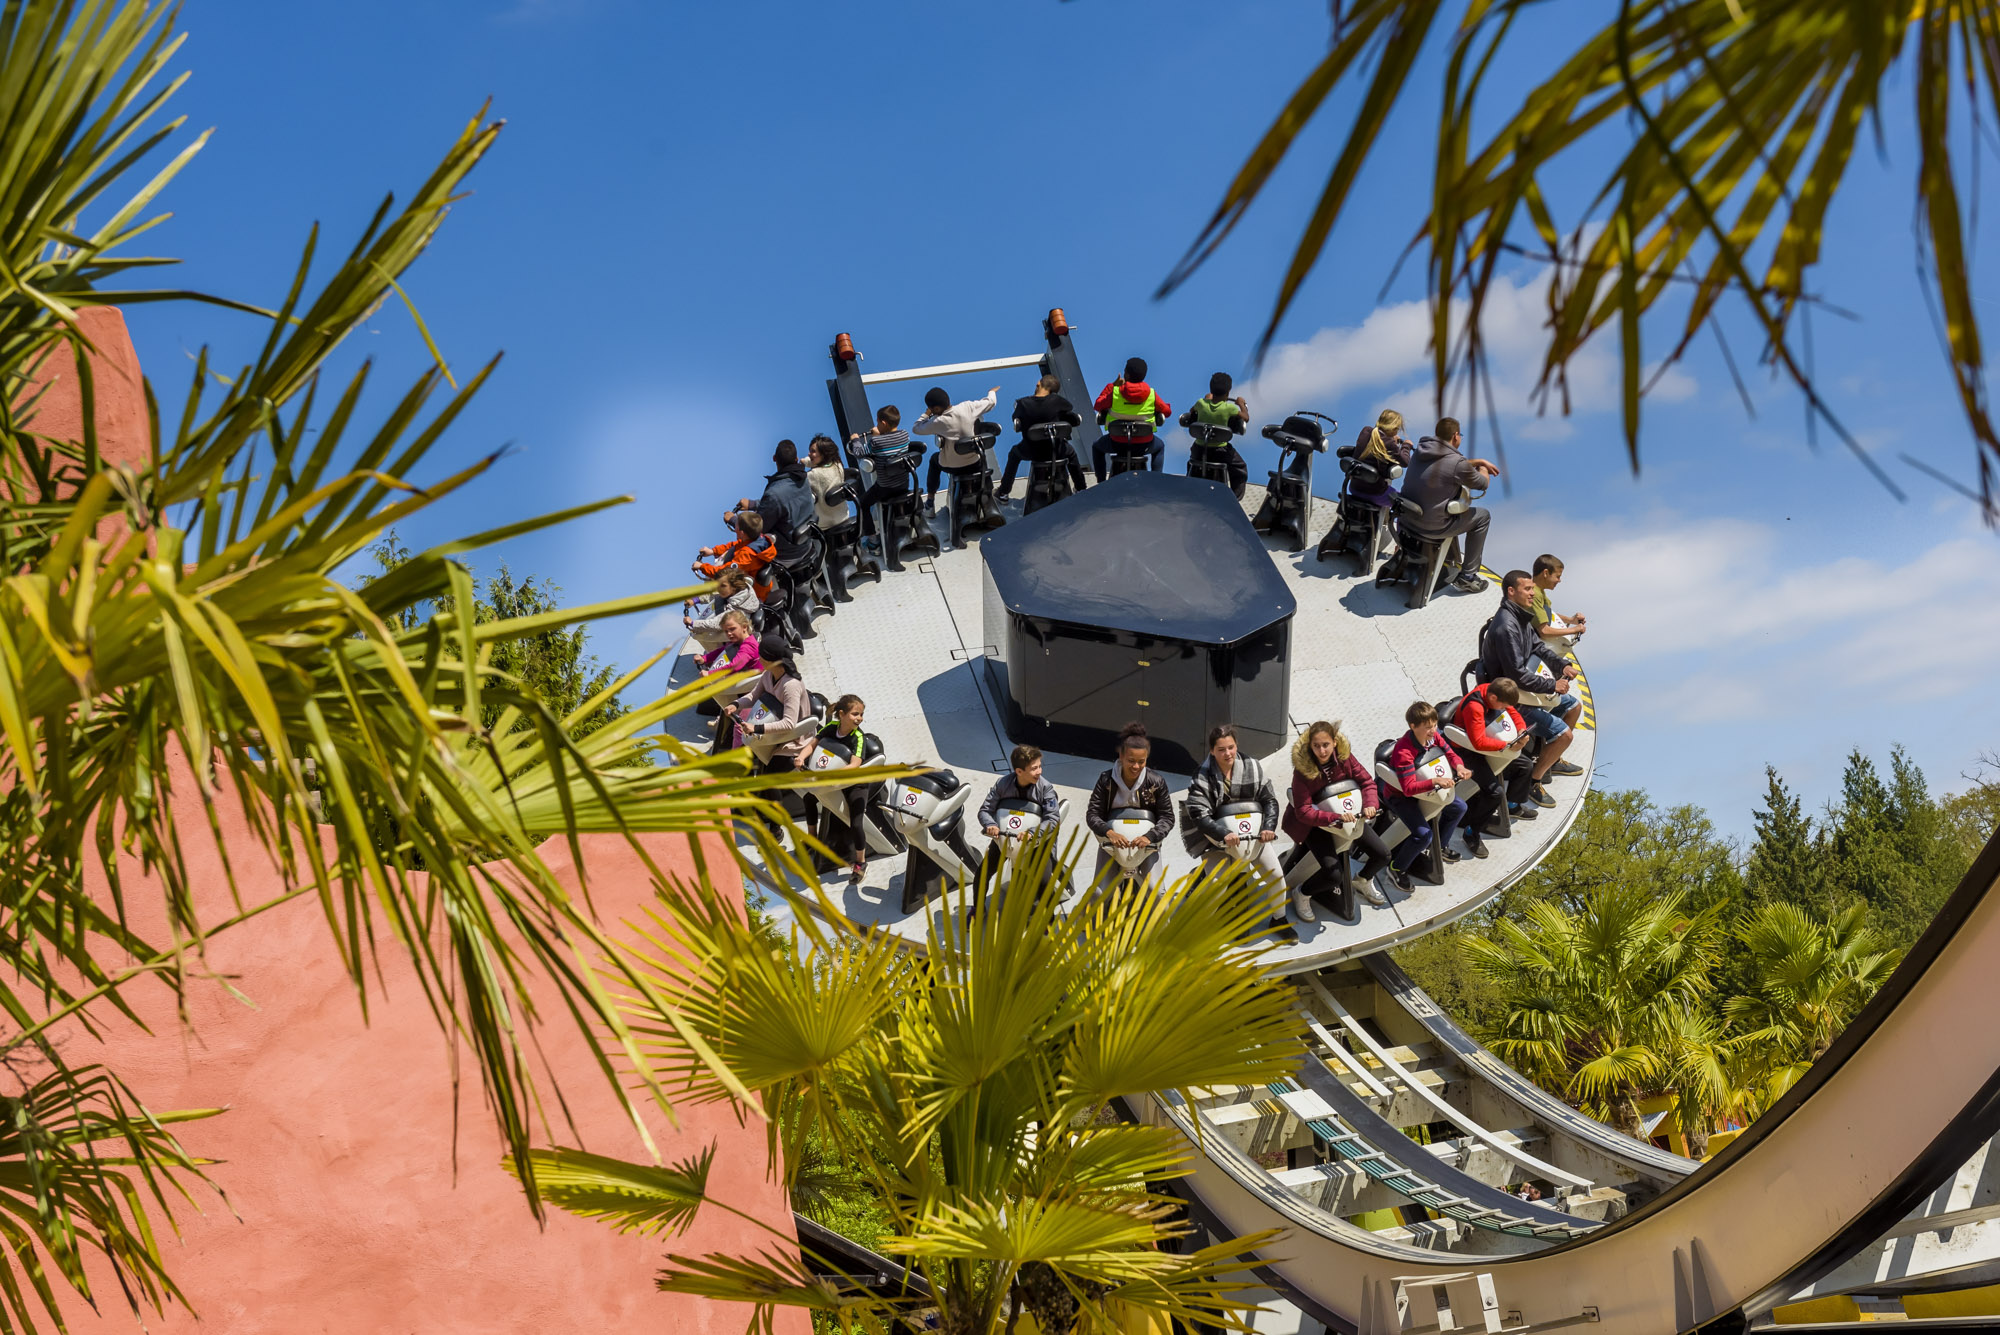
{"x": 1126, "y": 450}
{"x": 1048, "y": 465}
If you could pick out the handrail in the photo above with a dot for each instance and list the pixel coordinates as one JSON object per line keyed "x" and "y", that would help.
{"x": 1436, "y": 1104}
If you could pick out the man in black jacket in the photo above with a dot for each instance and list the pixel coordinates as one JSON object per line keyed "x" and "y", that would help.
{"x": 787, "y": 503}
{"x": 1044, "y": 406}
{"x": 1511, "y": 646}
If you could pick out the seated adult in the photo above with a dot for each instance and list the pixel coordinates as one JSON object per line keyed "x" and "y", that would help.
{"x": 1129, "y": 786}
{"x": 1421, "y": 745}
{"x": 703, "y": 616}
{"x": 1042, "y": 408}
{"x": 1129, "y": 396}
{"x": 1437, "y": 472}
{"x": 1024, "y": 782}
{"x": 956, "y": 426}
{"x": 771, "y": 717}
{"x": 829, "y": 474}
{"x": 787, "y": 504}
{"x": 1384, "y": 444}
{"x": 1228, "y": 778}
{"x": 1511, "y": 647}
{"x": 1218, "y": 409}
{"x": 842, "y": 734}
{"x": 1559, "y": 631}
{"x": 1322, "y": 757}
{"x": 1491, "y": 720}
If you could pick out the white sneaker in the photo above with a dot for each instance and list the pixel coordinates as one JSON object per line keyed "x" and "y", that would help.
{"x": 1372, "y": 893}
{"x": 1302, "y": 908}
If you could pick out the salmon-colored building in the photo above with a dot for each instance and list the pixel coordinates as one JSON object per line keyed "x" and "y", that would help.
{"x": 360, "y": 1196}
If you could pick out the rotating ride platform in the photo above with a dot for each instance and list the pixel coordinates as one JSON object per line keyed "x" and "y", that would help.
{"x": 914, "y": 647}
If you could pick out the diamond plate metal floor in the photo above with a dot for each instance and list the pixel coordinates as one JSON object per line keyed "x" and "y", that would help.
{"x": 907, "y": 646}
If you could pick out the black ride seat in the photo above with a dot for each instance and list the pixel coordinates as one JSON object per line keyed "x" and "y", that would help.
{"x": 1128, "y": 446}
{"x": 1047, "y": 450}
{"x": 1287, "y": 509}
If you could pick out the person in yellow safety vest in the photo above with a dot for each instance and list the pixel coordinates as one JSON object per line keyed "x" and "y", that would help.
{"x": 1130, "y": 396}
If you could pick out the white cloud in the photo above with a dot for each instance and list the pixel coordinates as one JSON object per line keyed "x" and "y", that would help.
{"x": 1390, "y": 351}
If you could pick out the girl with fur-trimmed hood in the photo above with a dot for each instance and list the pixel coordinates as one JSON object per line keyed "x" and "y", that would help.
{"x": 1322, "y": 757}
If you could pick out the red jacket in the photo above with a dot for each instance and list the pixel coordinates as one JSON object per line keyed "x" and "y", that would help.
{"x": 1301, "y": 816}
{"x": 1404, "y": 756}
{"x": 1471, "y": 716}
{"x": 1134, "y": 392}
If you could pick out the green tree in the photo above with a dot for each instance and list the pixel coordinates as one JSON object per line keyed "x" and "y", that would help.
{"x": 1743, "y": 120}
{"x": 1624, "y": 839}
{"x": 1974, "y": 814}
{"x": 1594, "y": 1000}
{"x": 1784, "y": 865}
{"x": 974, "y": 1088}
{"x": 1891, "y": 847}
{"x": 1809, "y": 978}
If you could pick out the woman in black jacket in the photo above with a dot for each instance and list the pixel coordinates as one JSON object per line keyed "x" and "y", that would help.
{"x": 1129, "y": 786}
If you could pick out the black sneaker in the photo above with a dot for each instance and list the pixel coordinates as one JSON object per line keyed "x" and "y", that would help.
{"x": 1453, "y": 855}
{"x": 1564, "y": 769}
{"x": 1004, "y": 494}
{"x": 1468, "y": 583}
{"x": 1522, "y": 811}
{"x": 1540, "y": 796}
{"x": 1401, "y": 880}
{"x": 1477, "y": 848}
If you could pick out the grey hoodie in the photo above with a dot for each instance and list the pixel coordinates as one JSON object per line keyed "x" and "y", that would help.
{"x": 1435, "y": 474}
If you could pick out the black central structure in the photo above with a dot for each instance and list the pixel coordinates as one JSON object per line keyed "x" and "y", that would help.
{"x": 1147, "y": 598}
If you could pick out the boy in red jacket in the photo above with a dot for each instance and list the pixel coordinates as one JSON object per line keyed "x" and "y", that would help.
{"x": 1492, "y": 724}
{"x": 1130, "y": 396}
{"x": 1404, "y": 759}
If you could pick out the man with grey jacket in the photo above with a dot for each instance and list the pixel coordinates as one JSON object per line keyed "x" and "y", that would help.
{"x": 1436, "y": 474}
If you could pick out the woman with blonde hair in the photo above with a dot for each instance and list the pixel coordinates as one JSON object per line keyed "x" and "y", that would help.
{"x": 1324, "y": 769}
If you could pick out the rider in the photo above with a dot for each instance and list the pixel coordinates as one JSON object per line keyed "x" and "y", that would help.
{"x": 770, "y": 718}
{"x": 1228, "y": 776}
{"x": 1511, "y": 647}
{"x": 1025, "y": 781}
{"x": 1045, "y": 405}
{"x": 1130, "y": 396}
{"x": 1322, "y": 756}
{"x": 1130, "y": 786}
{"x": 1404, "y": 758}
{"x": 844, "y": 729}
{"x": 1437, "y": 473}
{"x": 1218, "y": 409}
{"x": 827, "y": 474}
{"x": 956, "y": 426}
{"x": 1478, "y": 714}
{"x": 888, "y": 441}
{"x": 1383, "y": 443}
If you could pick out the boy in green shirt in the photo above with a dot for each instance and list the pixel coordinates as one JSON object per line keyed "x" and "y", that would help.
{"x": 1218, "y": 409}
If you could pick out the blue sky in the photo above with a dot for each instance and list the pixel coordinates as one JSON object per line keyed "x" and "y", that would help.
{"x": 690, "y": 201}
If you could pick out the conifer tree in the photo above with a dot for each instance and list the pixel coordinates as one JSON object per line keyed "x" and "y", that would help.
{"x": 1784, "y": 864}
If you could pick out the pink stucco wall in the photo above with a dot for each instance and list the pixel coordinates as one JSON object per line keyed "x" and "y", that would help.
{"x": 353, "y": 1211}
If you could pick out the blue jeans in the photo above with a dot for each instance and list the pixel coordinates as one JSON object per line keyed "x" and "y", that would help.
{"x": 1548, "y": 724}
{"x": 1405, "y": 810}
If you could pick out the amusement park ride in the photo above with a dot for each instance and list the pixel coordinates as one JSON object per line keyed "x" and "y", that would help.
{"x": 1395, "y": 1157}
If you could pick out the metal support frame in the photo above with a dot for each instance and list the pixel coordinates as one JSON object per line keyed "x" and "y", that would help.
{"x": 848, "y": 388}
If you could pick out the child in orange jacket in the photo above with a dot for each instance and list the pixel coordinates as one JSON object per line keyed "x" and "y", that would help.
{"x": 750, "y": 551}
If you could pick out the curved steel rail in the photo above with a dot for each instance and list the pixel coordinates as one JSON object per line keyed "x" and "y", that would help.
{"x": 1905, "y": 1095}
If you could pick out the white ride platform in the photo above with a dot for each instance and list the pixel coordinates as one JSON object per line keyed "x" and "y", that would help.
{"x": 909, "y": 647}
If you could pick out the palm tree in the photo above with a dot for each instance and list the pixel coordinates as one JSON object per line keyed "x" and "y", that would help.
{"x": 173, "y": 640}
{"x": 1597, "y": 1004}
{"x": 1743, "y": 119}
{"x": 974, "y": 1087}
{"x": 1808, "y": 979}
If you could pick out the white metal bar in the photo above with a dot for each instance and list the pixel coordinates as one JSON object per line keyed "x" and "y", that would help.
{"x": 955, "y": 368}
{"x": 1429, "y": 1096}
{"x": 1347, "y": 1059}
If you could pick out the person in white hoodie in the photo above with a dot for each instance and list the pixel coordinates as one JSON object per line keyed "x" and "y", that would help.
{"x": 956, "y": 426}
